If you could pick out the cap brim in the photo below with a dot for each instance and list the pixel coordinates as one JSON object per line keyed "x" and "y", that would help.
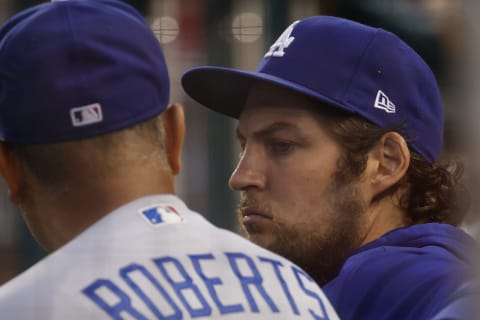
{"x": 225, "y": 90}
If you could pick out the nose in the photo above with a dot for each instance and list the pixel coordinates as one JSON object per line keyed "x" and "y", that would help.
{"x": 249, "y": 173}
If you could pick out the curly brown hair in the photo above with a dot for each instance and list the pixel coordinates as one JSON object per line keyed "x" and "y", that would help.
{"x": 429, "y": 192}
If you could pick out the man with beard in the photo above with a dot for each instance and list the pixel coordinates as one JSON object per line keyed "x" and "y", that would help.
{"x": 341, "y": 129}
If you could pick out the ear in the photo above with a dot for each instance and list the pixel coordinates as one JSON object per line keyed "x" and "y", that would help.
{"x": 12, "y": 172}
{"x": 388, "y": 162}
{"x": 174, "y": 124}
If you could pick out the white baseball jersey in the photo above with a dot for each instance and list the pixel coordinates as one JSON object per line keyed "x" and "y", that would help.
{"x": 155, "y": 259}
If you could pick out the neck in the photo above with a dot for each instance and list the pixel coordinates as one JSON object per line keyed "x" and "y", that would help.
{"x": 383, "y": 216}
{"x": 58, "y": 219}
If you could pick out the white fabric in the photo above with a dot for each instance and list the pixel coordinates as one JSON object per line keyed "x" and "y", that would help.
{"x": 155, "y": 259}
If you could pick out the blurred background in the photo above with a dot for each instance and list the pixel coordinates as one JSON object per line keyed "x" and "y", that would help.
{"x": 237, "y": 33}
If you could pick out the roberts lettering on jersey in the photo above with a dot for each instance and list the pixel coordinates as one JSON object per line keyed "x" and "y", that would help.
{"x": 153, "y": 258}
{"x": 172, "y": 287}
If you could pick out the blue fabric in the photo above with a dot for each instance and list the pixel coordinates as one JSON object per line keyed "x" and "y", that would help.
{"x": 409, "y": 273}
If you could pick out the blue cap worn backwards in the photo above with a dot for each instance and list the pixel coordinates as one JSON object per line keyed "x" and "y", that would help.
{"x": 76, "y": 69}
{"x": 351, "y": 66}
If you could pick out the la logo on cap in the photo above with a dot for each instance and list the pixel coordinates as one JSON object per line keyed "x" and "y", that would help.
{"x": 278, "y": 48}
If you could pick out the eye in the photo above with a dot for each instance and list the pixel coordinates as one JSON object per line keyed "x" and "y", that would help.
{"x": 280, "y": 147}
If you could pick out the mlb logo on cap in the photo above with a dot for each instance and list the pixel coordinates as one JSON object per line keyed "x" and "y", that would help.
{"x": 82, "y": 116}
{"x": 157, "y": 215}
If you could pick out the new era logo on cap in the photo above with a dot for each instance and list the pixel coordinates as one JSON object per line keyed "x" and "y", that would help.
{"x": 88, "y": 114}
{"x": 383, "y": 102}
{"x": 161, "y": 214}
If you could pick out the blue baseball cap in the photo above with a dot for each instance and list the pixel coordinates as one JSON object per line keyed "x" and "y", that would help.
{"x": 78, "y": 68}
{"x": 359, "y": 69}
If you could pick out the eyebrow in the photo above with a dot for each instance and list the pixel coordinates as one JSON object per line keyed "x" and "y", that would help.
{"x": 271, "y": 129}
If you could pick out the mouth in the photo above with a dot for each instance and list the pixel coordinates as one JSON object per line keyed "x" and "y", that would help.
{"x": 254, "y": 215}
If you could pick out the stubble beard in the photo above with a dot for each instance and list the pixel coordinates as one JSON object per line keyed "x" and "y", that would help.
{"x": 320, "y": 253}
